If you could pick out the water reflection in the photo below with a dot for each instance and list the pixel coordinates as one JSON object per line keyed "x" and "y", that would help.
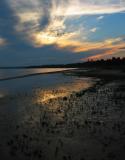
{"x": 44, "y": 81}
{"x": 46, "y": 97}
{"x": 9, "y": 73}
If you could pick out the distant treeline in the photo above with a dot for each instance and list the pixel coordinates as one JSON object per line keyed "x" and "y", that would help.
{"x": 114, "y": 62}
{"x": 109, "y": 63}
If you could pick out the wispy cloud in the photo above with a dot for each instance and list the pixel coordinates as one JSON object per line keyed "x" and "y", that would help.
{"x": 100, "y": 17}
{"x": 87, "y": 8}
{"x": 111, "y": 47}
{"x": 108, "y": 53}
{"x": 93, "y": 30}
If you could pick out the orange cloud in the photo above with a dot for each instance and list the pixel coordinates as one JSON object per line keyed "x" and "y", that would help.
{"x": 109, "y": 52}
{"x": 78, "y": 47}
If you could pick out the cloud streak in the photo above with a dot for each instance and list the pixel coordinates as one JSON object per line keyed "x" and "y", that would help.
{"x": 111, "y": 47}
{"x": 100, "y": 17}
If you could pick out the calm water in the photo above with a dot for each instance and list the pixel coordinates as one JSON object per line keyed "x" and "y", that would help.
{"x": 28, "y": 83}
{"x": 6, "y": 73}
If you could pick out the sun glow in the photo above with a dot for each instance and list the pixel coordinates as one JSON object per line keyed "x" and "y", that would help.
{"x": 45, "y": 96}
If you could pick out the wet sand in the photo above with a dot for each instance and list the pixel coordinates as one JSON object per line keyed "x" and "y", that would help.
{"x": 83, "y": 120}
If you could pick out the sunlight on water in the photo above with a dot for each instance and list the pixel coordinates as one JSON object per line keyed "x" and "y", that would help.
{"x": 24, "y": 80}
{"x": 7, "y": 73}
{"x": 45, "y": 97}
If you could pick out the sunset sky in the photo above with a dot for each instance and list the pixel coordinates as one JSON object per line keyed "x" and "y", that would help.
{"x": 34, "y": 32}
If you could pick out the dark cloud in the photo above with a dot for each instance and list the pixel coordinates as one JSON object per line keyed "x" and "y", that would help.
{"x": 27, "y": 55}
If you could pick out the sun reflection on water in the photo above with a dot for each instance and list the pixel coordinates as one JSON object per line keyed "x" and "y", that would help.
{"x": 54, "y": 102}
{"x": 46, "y": 96}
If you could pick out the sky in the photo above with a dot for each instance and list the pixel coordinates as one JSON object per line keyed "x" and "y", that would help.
{"x": 39, "y": 32}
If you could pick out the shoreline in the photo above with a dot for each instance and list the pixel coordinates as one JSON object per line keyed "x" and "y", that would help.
{"x": 35, "y": 74}
{"x": 104, "y": 74}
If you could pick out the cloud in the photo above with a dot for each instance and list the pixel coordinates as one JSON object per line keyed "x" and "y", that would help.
{"x": 103, "y": 55}
{"x": 111, "y": 47}
{"x": 45, "y": 22}
{"x": 90, "y": 46}
{"x": 100, "y": 17}
{"x": 3, "y": 42}
{"x": 93, "y": 30}
{"x": 28, "y": 13}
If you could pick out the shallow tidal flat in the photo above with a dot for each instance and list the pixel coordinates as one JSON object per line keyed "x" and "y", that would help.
{"x": 83, "y": 120}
